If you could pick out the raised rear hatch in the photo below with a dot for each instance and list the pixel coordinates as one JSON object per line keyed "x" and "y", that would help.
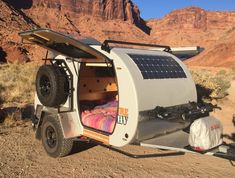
{"x": 64, "y": 44}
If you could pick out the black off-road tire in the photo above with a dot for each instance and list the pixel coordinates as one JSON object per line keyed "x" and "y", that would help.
{"x": 52, "y": 85}
{"x": 60, "y": 147}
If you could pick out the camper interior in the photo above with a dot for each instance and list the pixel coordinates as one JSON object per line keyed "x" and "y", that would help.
{"x": 98, "y": 96}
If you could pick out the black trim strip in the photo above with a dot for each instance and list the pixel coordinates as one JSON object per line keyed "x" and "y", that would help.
{"x": 105, "y": 45}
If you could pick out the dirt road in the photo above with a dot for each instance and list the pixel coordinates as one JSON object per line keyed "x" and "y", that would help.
{"x": 23, "y": 156}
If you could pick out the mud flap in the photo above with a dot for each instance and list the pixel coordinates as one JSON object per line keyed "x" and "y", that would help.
{"x": 37, "y": 121}
{"x": 68, "y": 120}
{"x": 70, "y": 124}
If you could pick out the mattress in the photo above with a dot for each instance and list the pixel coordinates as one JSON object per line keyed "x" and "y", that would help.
{"x": 102, "y": 117}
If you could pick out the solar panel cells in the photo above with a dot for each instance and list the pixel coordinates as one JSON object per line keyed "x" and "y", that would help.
{"x": 157, "y": 67}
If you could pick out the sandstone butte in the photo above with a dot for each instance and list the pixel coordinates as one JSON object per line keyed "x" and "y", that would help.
{"x": 119, "y": 20}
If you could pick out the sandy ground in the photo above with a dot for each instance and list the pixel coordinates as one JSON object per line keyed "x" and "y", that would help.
{"x": 228, "y": 109}
{"x": 21, "y": 155}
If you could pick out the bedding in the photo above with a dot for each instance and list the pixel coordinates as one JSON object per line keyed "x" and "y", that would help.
{"x": 102, "y": 117}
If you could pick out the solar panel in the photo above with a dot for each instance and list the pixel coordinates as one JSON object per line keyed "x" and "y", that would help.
{"x": 158, "y": 67}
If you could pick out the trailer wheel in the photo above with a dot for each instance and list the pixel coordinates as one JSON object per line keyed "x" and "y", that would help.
{"x": 52, "y": 138}
{"x": 51, "y": 85}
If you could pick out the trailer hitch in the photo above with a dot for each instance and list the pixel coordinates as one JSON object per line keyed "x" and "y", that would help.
{"x": 227, "y": 152}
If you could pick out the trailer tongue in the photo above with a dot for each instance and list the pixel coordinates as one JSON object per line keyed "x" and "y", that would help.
{"x": 223, "y": 151}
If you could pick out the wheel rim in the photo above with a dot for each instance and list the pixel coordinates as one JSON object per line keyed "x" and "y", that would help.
{"x": 51, "y": 137}
{"x": 45, "y": 86}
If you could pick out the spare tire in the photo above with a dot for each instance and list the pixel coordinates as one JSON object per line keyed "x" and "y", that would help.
{"x": 52, "y": 85}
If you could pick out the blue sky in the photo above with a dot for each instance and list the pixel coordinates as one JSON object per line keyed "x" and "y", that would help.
{"x": 159, "y": 8}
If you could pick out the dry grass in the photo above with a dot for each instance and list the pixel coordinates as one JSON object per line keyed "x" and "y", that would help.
{"x": 216, "y": 84}
{"x": 232, "y": 72}
{"x": 17, "y": 83}
{"x": 13, "y": 119}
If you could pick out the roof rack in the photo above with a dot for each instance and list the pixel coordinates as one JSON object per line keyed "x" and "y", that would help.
{"x": 105, "y": 45}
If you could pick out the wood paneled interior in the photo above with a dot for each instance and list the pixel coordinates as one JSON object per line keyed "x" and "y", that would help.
{"x": 92, "y": 87}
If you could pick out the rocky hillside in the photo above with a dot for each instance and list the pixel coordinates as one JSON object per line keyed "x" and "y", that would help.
{"x": 120, "y": 20}
{"x": 105, "y": 19}
{"x": 11, "y": 22}
{"x": 124, "y": 10}
{"x": 220, "y": 54}
{"x": 192, "y": 26}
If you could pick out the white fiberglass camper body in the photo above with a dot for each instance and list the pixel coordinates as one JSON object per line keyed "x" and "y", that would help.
{"x": 113, "y": 95}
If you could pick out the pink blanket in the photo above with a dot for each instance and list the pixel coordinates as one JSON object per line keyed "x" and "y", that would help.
{"x": 101, "y": 117}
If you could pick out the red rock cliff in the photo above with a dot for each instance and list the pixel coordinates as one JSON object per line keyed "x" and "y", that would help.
{"x": 124, "y": 10}
{"x": 192, "y": 26}
{"x": 194, "y": 18}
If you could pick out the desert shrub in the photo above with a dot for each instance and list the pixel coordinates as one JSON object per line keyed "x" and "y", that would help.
{"x": 216, "y": 85}
{"x": 223, "y": 86}
{"x": 12, "y": 119}
{"x": 17, "y": 83}
{"x": 2, "y": 90}
{"x": 222, "y": 73}
{"x": 230, "y": 30}
{"x": 233, "y": 70}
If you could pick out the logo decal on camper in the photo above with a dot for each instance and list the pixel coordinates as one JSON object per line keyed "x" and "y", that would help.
{"x": 122, "y": 116}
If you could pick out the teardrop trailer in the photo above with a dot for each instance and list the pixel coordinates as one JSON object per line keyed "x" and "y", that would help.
{"x": 118, "y": 96}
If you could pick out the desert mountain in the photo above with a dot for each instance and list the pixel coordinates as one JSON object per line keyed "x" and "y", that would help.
{"x": 193, "y": 26}
{"x": 120, "y": 20}
{"x": 220, "y": 54}
{"x": 102, "y": 20}
{"x": 99, "y": 19}
{"x": 11, "y": 22}
{"x": 124, "y": 10}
